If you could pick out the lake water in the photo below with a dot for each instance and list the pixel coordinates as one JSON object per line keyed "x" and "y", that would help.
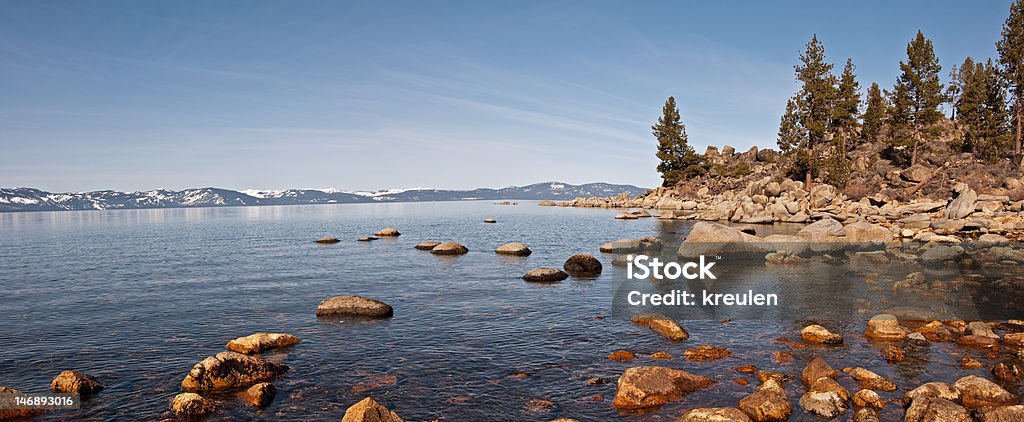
{"x": 137, "y": 297}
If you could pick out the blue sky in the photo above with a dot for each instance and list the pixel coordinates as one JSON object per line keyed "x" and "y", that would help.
{"x": 367, "y": 95}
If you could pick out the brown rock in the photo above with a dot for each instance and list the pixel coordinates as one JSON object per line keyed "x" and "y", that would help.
{"x": 230, "y": 370}
{"x": 825, "y": 384}
{"x": 932, "y": 390}
{"x": 746, "y": 369}
{"x": 705, "y": 353}
{"x": 647, "y": 386}
{"x": 817, "y": 368}
{"x": 449, "y": 248}
{"x": 715, "y": 414}
{"x": 327, "y": 240}
{"x": 388, "y": 232}
{"x": 826, "y": 404}
{"x": 893, "y": 354}
{"x": 6, "y": 413}
{"x": 1008, "y": 372}
{"x": 355, "y": 306}
{"x": 783, "y": 357}
{"x": 260, "y": 395}
{"x": 870, "y": 380}
{"x": 978, "y": 392}
{"x": 513, "y": 248}
{"x": 490, "y": 220}
{"x": 260, "y": 342}
{"x": 74, "y": 382}
{"x": 366, "y": 238}
{"x": 768, "y": 403}
{"x": 426, "y": 246}
{"x": 1000, "y": 414}
{"x": 368, "y": 410}
{"x": 968, "y": 362}
{"x": 866, "y": 414}
{"x": 1014, "y": 340}
{"x": 884, "y": 327}
{"x": 191, "y": 405}
{"x": 663, "y": 325}
{"x": 981, "y": 342}
{"x": 622, "y": 356}
{"x": 582, "y": 265}
{"x": 816, "y": 334}
{"x": 936, "y": 410}
{"x": 868, "y": 398}
{"x": 545, "y": 275}
{"x": 779, "y": 377}
{"x": 661, "y": 355}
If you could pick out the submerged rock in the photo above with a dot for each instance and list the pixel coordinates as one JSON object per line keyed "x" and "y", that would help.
{"x": 368, "y": 410}
{"x": 663, "y": 325}
{"x": 74, "y": 382}
{"x": 885, "y": 327}
{"x": 715, "y": 414}
{"x": 449, "y": 248}
{"x": 513, "y": 248}
{"x": 815, "y": 369}
{"x": 647, "y": 386}
{"x": 366, "y": 238}
{"x": 583, "y": 265}
{"x": 545, "y": 275}
{"x": 260, "y": 395}
{"x": 227, "y": 370}
{"x": 354, "y": 305}
{"x": 260, "y": 342}
{"x": 705, "y": 353}
{"x": 191, "y": 405}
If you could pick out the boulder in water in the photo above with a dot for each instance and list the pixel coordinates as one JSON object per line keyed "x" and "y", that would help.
{"x": 74, "y": 382}
{"x": 191, "y": 405}
{"x": 449, "y": 248}
{"x": 388, "y": 232}
{"x": 354, "y": 305}
{"x": 227, "y": 370}
{"x": 327, "y": 240}
{"x": 261, "y": 342}
{"x": 648, "y": 386}
{"x": 545, "y": 275}
{"x": 368, "y": 410}
{"x": 513, "y": 248}
{"x": 582, "y": 265}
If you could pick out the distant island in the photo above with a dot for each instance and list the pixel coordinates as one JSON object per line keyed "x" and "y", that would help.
{"x": 29, "y": 199}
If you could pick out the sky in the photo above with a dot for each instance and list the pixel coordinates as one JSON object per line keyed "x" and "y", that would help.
{"x": 143, "y": 94}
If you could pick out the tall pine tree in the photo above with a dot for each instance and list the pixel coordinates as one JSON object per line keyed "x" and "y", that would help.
{"x": 792, "y": 140}
{"x": 843, "y": 128}
{"x": 916, "y": 98}
{"x": 815, "y": 100}
{"x": 1011, "y": 61}
{"x": 874, "y": 114}
{"x": 982, "y": 110}
{"x": 678, "y": 159}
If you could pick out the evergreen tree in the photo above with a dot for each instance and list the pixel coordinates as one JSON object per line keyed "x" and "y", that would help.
{"x": 916, "y": 98}
{"x": 847, "y": 103}
{"x": 815, "y": 100}
{"x": 678, "y": 159}
{"x": 967, "y": 106}
{"x": 982, "y": 110}
{"x": 1011, "y": 61}
{"x": 792, "y": 139}
{"x": 874, "y": 114}
{"x": 953, "y": 91}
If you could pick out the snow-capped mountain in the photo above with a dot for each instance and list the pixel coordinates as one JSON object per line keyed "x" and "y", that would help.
{"x": 29, "y": 199}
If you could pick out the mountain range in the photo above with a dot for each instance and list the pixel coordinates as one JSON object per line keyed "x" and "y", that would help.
{"x": 30, "y": 199}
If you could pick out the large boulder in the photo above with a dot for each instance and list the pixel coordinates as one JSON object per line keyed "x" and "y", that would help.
{"x": 388, "y": 232}
{"x": 1000, "y": 414}
{"x": 648, "y": 386}
{"x": 916, "y": 173}
{"x": 715, "y": 414}
{"x": 261, "y": 342}
{"x": 260, "y": 395}
{"x": 817, "y": 368}
{"x": 936, "y": 410}
{"x": 368, "y": 410}
{"x": 864, "y": 232}
{"x": 449, "y": 248}
{"x": 621, "y": 246}
{"x": 582, "y": 264}
{"x": 885, "y": 327}
{"x": 816, "y": 334}
{"x": 354, "y": 306}
{"x": 978, "y": 392}
{"x": 963, "y": 202}
{"x": 932, "y": 390}
{"x": 513, "y": 248}
{"x": 74, "y": 382}
{"x": 824, "y": 230}
{"x": 768, "y": 403}
{"x": 229, "y": 370}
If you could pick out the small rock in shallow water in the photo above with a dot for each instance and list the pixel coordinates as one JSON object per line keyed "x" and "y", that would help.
{"x": 884, "y": 327}
{"x": 366, "y": 238}
{"x": 816, "y": 368}
{"x": 936, "y": 410}
{"x": 327, "y": 240}
{"x": 622, "y": 356}
{"x": 968, "y": 362}
{"x": 368, "y": 410}
{"x": 705, "y": 353}
{"x": 260, "y": 342}
{"x": 932, "y": 390}
{"x": 545, "y": 275}
{"x": 582, "y": 265}
{"x": 978, "y": 392}
{"x": 893, "y": 354}
{"x": 817, "y": 334}
{"x": 868, "y": 398}
{"x": 227, "y": 370}
{"x": 6, "y": 414}
{"x": 74, "y": 382}
{"x": 716, "y": 414}
{"x": 426, "y": 246}
{"x": 768, "y": 403}
{"x": 663, "y": 325}
{"x": 648, "y": 386}
{"x": 449, "y": 248}
{"x": 191, "y": 405}
{"x": 354, "y": 305}
{"x": 513, "y": 248}
{"x": 490, "y": 220}
{"x": 869, "y": 379}
{"x": 260, "y": 395}
{"x": 388, "y": 232}
{"x": 1007, "y": 371}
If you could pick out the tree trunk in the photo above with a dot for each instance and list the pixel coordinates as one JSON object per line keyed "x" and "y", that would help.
{"x": 1016, "y": 146}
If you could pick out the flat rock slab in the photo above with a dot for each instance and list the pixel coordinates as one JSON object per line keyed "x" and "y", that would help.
{"x": 449, "y": 248}
{"x": 354, "y": 305}
{"x": 513, "y": 248}
{"x": 426, "y": 246}
{"x": 388, "y": 232}
{"x": 545, "y": 275}
{"x": 261, "y": 342}
{"x": 327, "y": 240}
{"x": 648, "y": 386}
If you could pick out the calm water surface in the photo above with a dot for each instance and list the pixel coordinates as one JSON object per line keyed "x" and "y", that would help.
{"x": 137, "y": 297}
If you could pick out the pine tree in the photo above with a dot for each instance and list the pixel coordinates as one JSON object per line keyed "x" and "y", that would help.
{"x": 953, "y": 91}
{"x": 815, "y": 99}
{"x": 792, "y": 139}
{"x": 1011, "y": 61}
{"x": 874, "y": 114}
{"x": 968, "y": 106}
{"x": 678, "y": 159}
{"x": 983, "y": 111}
{"x": 916, "y": 98}
{"x": 847, "y": 103}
